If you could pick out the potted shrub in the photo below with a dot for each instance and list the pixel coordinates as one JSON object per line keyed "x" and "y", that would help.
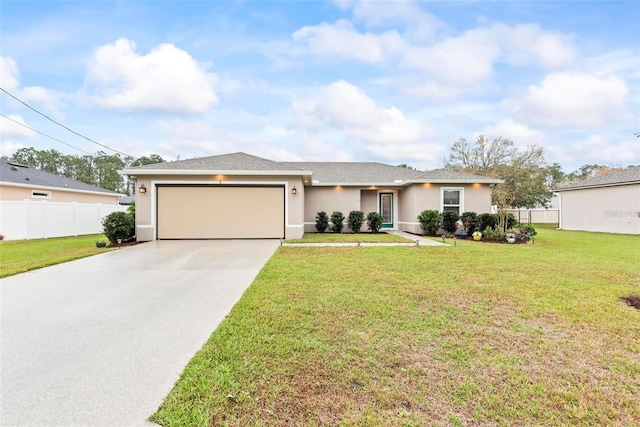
{"x": 511, "y": 237}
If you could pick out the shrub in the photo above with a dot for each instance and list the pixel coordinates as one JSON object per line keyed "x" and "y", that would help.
{"x": 374, "y": 221}
{"x": 336, "y": 222}
{"x": 322, "y": 222}
{"x": 470, "y": 221}
{"x": 355, "y": 220}
{"x": 118, "y": 225}
{"x": 527, "y": 231}
{"x": 429, "y": 222}
{"x": 449, "y": 221}
{"x": 490, "y": 233}
{"x": 487, "y": 220}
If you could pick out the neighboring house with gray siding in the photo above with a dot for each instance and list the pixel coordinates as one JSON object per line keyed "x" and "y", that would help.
{"x": 608, "y": 203}
{"x": 243, "y": 196}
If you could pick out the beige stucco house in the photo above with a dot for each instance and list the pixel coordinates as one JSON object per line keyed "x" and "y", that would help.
{"x": 243, "y": 196}
{"x": 608, "y": 203}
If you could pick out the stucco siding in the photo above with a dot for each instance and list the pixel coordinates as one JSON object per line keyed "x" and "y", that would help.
{"x": 329, "y": 199}
{"x": 605, "y": 209}
{"x": 368, "y": 201}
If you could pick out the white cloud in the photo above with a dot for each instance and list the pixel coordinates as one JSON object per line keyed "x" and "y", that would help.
{"x": 602, "y": 149}
{"x": 11, "y": 129}
{"x": 8, "y": 148}
{"x": 10, "y": 78}
{"x": 574, "y": 99}
{"x": 519, "y": 133}
{"x": 9, "y": 74}
{"x": 165, "y": 79}
{"x": 349, "y": 109}
{"x": 528, "y": 44}
{"x": 344, "y": 41}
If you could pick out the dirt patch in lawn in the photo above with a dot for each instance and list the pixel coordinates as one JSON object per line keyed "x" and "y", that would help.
{"x": 632, "y": 300}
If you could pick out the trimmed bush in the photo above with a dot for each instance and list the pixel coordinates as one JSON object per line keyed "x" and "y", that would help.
{"x": 430, "y": 221}
{"x": 355, "y": 220}
{"x": 337, "y": 222}
{"x": 488, "y": 220}
{"x": 449, "y": 221}
{"x": 374, "y": 222}
{"x": 322, "y": 222}
{"x": 118, "y": 225}
{"x": 470, "y": 222}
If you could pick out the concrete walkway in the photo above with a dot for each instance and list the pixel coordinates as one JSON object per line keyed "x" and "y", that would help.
{"x": 100, "y": 341}
{"x": 416, "y": 241}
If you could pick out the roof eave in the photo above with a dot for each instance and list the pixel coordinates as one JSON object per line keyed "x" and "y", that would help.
{"x": 51, "y": 187}
{"x": 584, "y": 187}
{"x": 455, "y": 181}
{"x": 143, "y": 172}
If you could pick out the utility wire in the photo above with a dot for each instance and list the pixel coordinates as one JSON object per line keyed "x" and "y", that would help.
{"x": 60, "y": 124}
{"x": 44, "y": 134}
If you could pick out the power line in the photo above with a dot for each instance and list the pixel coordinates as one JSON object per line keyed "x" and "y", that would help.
{"x": 60, "y": 124}
{"x": 44, "y": 134}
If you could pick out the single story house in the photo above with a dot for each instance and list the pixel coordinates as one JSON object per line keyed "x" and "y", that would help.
{"x": 38, "y": 204}
{"x": 243, "y": 196}
{"x": 608, "y": 203}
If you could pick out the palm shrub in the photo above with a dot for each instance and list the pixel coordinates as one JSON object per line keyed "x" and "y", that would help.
{"x": 322, "y": 222}
{"x": 374, "y": 222}
{"x": 429, "y": 222}
{"x": 118, "y": 225}
{"x": 449, "y": 221}
{"x": 355, "y": 220}
{"x": 336, "y": 222}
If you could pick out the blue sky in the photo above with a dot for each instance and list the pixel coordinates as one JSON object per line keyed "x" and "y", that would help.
{"x": 395, "y": 82}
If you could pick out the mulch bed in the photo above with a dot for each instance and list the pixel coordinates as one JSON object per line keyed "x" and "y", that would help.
{"x": 632, "y": 300}
{"x": 123, "y": 244}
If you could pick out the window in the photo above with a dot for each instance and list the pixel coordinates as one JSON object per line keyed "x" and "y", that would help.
{"x": 39, "y": 194}
{"x": 452, "y": 200}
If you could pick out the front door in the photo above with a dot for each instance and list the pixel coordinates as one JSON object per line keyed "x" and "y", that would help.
{"x": 386, "y": 209}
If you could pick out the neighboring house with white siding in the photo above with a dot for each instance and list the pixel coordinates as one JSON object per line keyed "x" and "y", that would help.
{"x": 38, "y": 204}
{"x": 608, "y": 203}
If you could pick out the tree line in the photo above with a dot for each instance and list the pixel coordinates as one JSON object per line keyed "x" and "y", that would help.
{"x": 100, "y": 169}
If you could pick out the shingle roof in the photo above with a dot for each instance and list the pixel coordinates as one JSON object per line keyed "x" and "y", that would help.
{"x": 15, "y": 173}
{"x": 225, "y": 162}
{"x": 630, "y": 175}
{"x": 356, "y": 172}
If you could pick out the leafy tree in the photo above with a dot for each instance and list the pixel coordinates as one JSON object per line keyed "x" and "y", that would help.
{"x": 524, "y": 171}
{"x": 590, "y": 171}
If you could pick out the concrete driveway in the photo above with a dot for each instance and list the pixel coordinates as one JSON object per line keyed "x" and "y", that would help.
{"x": 101, "y": 341}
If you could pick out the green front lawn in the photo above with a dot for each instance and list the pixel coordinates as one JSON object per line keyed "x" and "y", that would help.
{"x": 18, "y": 256}
{"x": 349, "y": 238}
{"x": 477, "y": 334}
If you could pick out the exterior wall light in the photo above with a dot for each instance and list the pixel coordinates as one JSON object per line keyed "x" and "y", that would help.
{"x": 293, "y": 190}
{"x": 142, "y": 189}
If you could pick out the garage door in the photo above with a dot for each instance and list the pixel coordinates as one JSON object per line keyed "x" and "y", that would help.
{"x": 213, "y": 212}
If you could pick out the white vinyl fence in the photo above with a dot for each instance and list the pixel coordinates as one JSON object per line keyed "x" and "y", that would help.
{"x": 545, "y": 216}
{"x": 29, "y": 219}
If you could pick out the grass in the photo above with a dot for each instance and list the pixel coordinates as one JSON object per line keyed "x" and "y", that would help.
{"x": 18, "y": 256}
{"x": 349, "y": 238}
{"x": 475, "y": 335}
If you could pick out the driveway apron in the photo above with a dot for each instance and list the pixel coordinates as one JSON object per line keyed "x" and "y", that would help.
{"x": 100, "y": 341}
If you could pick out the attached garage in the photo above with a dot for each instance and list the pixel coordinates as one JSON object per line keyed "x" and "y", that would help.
{"x": 220, "y": 212}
